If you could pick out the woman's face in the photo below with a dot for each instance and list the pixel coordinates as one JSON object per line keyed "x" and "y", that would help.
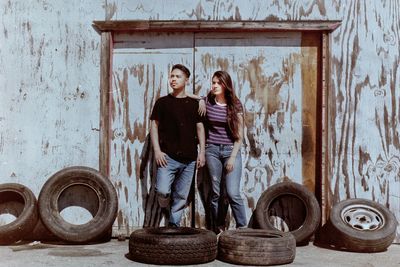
{"x": 217, "y": 88}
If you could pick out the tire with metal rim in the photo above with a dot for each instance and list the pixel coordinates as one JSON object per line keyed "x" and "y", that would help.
{"x": 84, "y": 187}
{"x": 303, "y": 201}
{"x": 172, "y": 246}
{"x": 256, "y": 247}
{"x": 18, "y": 200}
{"x": 361, "y": 225}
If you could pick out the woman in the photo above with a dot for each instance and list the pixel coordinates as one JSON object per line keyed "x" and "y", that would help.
{"x": 224, "y": 116}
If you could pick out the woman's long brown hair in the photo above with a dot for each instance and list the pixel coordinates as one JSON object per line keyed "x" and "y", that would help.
{"x": 232, "y": 101}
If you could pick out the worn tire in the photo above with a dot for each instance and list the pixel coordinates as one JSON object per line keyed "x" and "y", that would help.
{"x": 361, "y": 225}
{"x": 95, "y": 193}
{"x": 256, "y": 247}
{"x": 173, "y": 246}
{"x": 19, "y": 201}
{"x": 300, "y": 193}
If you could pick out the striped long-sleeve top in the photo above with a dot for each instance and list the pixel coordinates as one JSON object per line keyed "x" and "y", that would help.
{"x": 218, "y": 130}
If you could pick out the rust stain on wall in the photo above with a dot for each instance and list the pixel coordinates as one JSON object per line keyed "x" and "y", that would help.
{"x": 138, "y": 72}
{"x": 126, "y": 194}
{"x": 128, "y": 162}
{"x": 137, "y": 169}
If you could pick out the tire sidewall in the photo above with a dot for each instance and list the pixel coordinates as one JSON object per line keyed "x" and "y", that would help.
{"x": 85, "y": 176}
{"x": 313, "y": 213}
{"x": 173, "y": 246}
{"x": 387, "y": 231}
{"x": 26, "y": 221}
{"x": 256, "y": 247}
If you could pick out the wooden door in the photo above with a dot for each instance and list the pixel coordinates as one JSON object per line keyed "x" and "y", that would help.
{"x": 276, "y": 78}
{"x": 140, "y": 67}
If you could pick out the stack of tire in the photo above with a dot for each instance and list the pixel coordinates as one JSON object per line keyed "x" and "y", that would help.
{"x": 41, "y": 220}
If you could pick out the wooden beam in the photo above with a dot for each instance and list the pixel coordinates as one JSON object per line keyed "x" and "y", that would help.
{"x": 215, "y": 26}
{"x": 324, "y": 159}
{"x": 105, "y": 89}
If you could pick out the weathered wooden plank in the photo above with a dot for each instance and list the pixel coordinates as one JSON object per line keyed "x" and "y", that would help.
{"x": 141, "y": 65}
{"x": 310, "y": 64}
{"x": 105, "y": 90}
{"x": 215, "y": 26}
{"x": 363, "y": 115}
{"x": 224, "y": 10}
{"x": 324, "y": 173}
{"x": 267, "y": 73}
{"x": 49, "y": 82}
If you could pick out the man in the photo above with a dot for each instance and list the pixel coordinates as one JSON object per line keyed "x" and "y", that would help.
{"x": 176, "y": 129}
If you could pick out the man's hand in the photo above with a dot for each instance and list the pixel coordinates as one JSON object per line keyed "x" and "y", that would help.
{"x": 201, "y": 160}
{"x": 230, "y": 164}
{"x": 161, "y": 158}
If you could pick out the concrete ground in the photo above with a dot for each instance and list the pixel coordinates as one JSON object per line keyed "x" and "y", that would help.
{"x": 111, "y": 254}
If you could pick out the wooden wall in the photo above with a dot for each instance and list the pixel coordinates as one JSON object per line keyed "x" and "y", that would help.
{"x": 49, "y": 89}
{"x": 364, "y": 83}
{"x": 49, "y": 107}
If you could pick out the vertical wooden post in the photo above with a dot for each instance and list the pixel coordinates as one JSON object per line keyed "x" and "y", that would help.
{"x": 324, "y": 128}
{"x": 105, "y": 95}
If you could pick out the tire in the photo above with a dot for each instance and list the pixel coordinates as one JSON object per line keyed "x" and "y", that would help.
{"x": 361, "y": 225}
{"x": 84, "y": 187}
{"x": 256, "y": 247}
{"x": 172, "y": 246}
{"x": 41, "y": 233}
{"x": 19, "y": 201}
{"x": 272, "y": 200}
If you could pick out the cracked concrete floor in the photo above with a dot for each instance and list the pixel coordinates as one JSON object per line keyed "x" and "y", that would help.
{"x": 111, "y": 254}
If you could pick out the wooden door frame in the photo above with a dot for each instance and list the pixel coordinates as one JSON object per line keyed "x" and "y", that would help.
{"x": 325, "y": 27}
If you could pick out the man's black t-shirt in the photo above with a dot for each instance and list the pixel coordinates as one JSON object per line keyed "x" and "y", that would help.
{"x": 177, "y": 118}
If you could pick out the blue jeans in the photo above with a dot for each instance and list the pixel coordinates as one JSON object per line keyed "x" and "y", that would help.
{"x": 177, "y": 176}
{"x": 217, "y": 157}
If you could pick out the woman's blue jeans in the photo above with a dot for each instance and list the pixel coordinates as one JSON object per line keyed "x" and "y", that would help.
{"x": 176, "y": 177}
{"x": 217, "y": 157}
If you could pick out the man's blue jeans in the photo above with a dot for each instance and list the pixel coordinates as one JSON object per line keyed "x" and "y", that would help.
{"x": 177, "y": 176}
{"x": 217, "y": 157}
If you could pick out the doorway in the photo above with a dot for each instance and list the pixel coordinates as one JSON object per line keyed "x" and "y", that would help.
{"x": 276, "y": 76}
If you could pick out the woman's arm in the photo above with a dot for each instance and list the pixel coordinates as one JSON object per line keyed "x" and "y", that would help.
{"x": 236, "y": 145}
{"x": 202, "y": 103}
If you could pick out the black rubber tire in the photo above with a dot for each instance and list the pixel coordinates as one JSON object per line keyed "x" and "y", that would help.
{"x": 173, "y": 246}
{"x": 19, "y": 201}
{"x": 41, "y": 233}
{"x": 312, "y": 218}
{"x": 256, "y": 247}
{"x": 104, "y": 209}
{"x": 344, "y": 237}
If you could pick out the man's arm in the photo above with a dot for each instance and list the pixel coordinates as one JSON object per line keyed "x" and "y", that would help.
{"x": 158, "y": 154}
{"x": 201, "y": 158}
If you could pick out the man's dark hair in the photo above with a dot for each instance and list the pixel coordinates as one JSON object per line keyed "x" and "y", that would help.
{"x": 182, "y": 68}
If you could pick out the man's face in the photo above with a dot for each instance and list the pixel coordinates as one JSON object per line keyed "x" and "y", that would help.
{"x": 177, "y": 79}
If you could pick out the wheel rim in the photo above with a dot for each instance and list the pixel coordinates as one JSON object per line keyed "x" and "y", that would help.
{"x": 363, "y": 217}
